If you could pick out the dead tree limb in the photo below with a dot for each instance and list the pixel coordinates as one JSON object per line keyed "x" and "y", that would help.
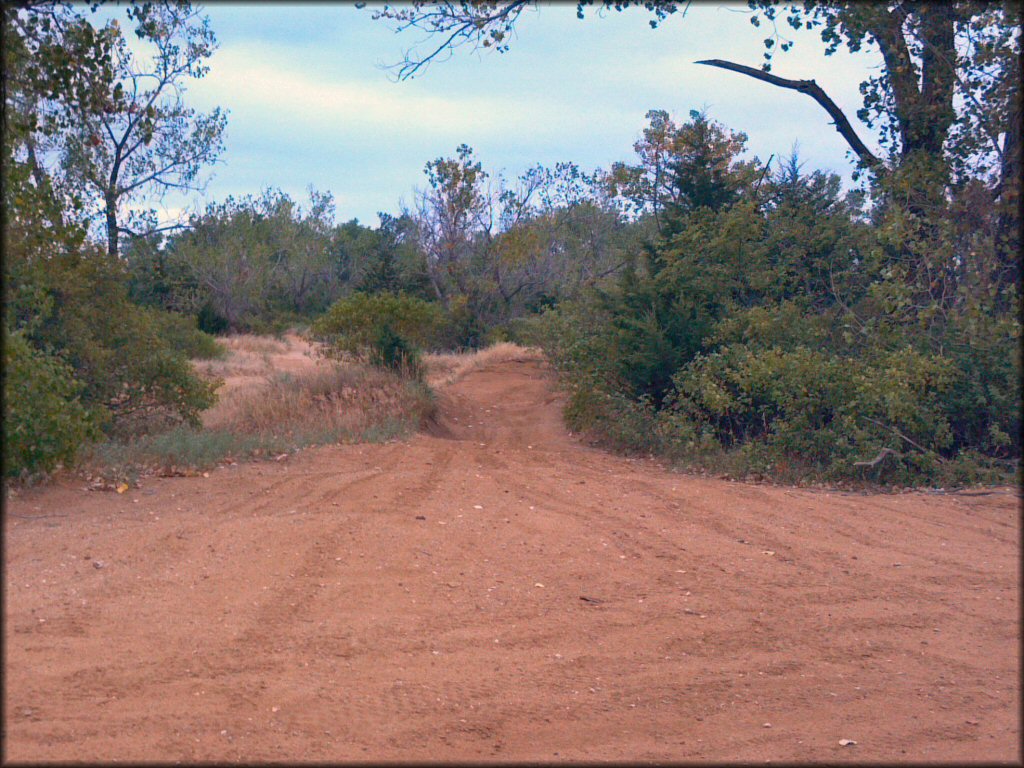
{"x": 875, "y": 461}
{"x": 905, "y": 438}
{"x": 813, "y": 90}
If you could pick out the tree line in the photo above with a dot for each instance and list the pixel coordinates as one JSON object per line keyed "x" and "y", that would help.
{"x": 696, "y": 301}
{"x": 775, "y": 327}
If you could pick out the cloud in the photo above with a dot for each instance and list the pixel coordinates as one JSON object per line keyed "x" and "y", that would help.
{"x": 259, "y": 80}
{"x": 307, "y": 104}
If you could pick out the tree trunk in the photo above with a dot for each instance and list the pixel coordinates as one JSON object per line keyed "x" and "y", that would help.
{"x": 112, "y": 228}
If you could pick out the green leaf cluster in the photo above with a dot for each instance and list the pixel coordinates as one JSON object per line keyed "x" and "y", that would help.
{"x": 793, "y": 334}
{"x": 386, "y": 329}
{"x": 45, "y": 421}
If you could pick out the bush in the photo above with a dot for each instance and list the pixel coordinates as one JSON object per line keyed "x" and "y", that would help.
{"x": 984, "y": 400}
{"x": 391, "y": 351}
{"x": 461, "y": 328}
{"x": 614, "y": 420}
{"x": 210, "y": 320}
{"x": 385, "y": 329}
{"x": 44, "y": 421}
{"x": 74, "y": 304}
{"x": 183, "y": 335}
{"x": 789, "y": 337}
{"x": 815, "y": 410}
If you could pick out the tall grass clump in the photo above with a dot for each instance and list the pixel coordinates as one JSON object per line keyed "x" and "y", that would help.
{"x": 330, "y": 403}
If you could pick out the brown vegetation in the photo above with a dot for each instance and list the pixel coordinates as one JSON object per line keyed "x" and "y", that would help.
{"x": 448, "y": 367}
{"x": 275, "y": 396}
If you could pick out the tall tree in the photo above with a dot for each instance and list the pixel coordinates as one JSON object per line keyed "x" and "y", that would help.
{"x": 134, "y": 138}
{"x": 949, "y": 81}
{"x": 450, "y": 214}
{"x": 682, "y": 167}
{"x": 55, "y": 63}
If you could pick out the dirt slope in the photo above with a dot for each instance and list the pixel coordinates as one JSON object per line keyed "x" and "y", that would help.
{"x": 424, "y": 601}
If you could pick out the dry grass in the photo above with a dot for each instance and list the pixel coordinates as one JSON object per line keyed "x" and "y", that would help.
{"x": 235, "y": 365}
{"x": 256, "y": 356}
{"x": 277, "y": 396}
{"x": 283, "y": 386}
{"x": 448, "y": 367}
{"x": 342, "y": 398}
{"x": 247, "y": 342}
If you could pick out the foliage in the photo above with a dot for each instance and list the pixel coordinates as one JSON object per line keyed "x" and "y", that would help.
{"x": 391, "y": 351}
{"x": 45, "y": 422}
{"x": 260, "y": 262}
{"x": 354, "y": 322}
{"x": 945, "y": 104}
{"x": 785, "y": 333}
{"x": 182, "y": 334}
{"x": 814, "y": 407}
{"x": 209, "y": 321}
{"x": 133, "y": 137}
{"x": 386, "y": 329}
{"x": 92, "y": 358}
{"x": 496, "y": 250}
{"x": 683, "y": 167}
{"x": 74, "y": 304}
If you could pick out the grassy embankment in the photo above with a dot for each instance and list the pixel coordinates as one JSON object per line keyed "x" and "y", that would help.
{"x": 277, "y": 396}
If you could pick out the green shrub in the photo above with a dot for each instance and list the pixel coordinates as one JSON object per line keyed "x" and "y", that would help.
{"x": 391, "y": 351}
{"x": 210, "y": 320}
{"x": 790, "y": 339}
{"x": 816, "y": 410}
{"x": 460, "y": 328}
{"x": 183, "y": 335}
{"x": 983, "y": 404}
{"x": 354, "y": 322}
{"x": 45, "y": 423}
{"x": 74, "y": 304}
{"x": 385, "y": 329}
{"x": 614, "y": 420}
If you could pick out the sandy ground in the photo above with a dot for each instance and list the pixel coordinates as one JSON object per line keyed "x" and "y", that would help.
{"x": 497, "y": 590}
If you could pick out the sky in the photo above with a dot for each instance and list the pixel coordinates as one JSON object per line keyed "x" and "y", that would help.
{"x": 312, "y": 101}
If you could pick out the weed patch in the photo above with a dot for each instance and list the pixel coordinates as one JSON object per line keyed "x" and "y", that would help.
{"x": 271, "y": 413}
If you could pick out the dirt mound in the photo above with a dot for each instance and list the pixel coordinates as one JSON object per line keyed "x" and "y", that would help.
{"x": 497, "y": 590}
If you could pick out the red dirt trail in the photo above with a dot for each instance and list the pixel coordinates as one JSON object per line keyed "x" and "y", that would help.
{"x": 424, "y": 600}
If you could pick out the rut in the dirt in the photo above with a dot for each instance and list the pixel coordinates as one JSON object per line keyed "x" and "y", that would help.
{"x": 424, "y": 600}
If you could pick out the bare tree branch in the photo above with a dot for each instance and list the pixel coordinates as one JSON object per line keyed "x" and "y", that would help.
{"x": 874, "y": 462}
{"x": 813, "y": 90}
{"x": 905, "y": 438}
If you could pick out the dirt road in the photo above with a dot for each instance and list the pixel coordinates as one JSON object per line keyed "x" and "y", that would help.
{"x": 496, "y": 590}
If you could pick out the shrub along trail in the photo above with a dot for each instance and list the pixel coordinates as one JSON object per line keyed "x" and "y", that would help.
{"x": 494, "y": 589}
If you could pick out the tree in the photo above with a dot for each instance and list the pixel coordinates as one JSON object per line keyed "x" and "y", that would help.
{"x": 87, "y": 355}
{"x": 55, "y": 64}
{"x": 495, "y": 247}
{"x": 946, "y": 104}
{"x": 135, "y": 139}
{"x": 229, "y": 252}
{"x": 450, "y": 214}
{"x": 950, "y": 79}
{"x": 682, "y": 167}
{"x": 304, "y": 277}
{"x": 560, "y": 232}
{"x": 393, "y": 263}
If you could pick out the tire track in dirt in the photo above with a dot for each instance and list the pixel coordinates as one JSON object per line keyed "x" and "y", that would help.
{"x": 422, "y": 600}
